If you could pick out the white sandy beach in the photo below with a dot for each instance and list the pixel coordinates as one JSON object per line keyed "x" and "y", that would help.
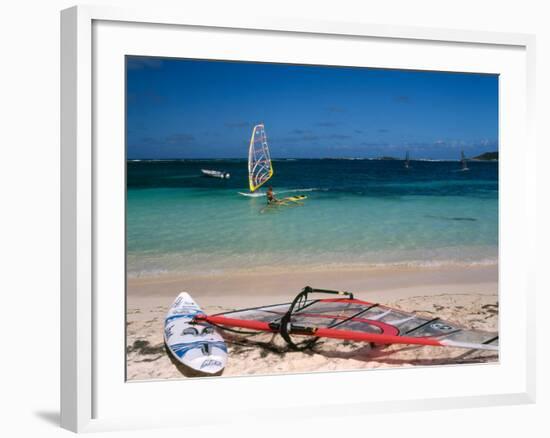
{"x": 467, "y": 296}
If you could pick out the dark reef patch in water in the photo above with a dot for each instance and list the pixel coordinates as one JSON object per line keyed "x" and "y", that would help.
{"x": 467, "y": 219}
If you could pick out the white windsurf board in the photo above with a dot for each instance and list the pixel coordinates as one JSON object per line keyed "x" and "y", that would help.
{"x": 198, "y": 346}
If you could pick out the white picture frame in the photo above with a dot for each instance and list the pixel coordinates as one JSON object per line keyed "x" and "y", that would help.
{"x": 93, "y": 398}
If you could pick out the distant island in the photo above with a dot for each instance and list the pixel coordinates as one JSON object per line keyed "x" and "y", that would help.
{"x": 487, "y": 156}
{"x": 387, "y": 158}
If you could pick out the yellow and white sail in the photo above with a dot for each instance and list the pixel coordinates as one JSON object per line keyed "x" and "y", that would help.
{"x": 260, "y": 168}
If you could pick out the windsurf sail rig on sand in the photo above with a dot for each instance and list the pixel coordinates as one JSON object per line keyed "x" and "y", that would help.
{"x": 341, "y": 316}
{"x": 260, "y": 168}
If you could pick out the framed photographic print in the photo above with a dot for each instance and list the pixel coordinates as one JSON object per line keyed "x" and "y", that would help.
{"x": 252, "y": 205}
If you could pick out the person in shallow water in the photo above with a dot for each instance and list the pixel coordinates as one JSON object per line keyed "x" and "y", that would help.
{"x": 270, "y": 196}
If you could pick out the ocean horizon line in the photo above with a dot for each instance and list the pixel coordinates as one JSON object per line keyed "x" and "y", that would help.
{"x": 310, "y": 159}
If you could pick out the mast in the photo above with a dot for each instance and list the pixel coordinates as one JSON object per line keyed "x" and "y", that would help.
{"x": 407, "y": 160}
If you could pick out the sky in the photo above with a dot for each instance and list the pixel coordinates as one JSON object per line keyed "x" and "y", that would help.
{"x": 179, "y": 108}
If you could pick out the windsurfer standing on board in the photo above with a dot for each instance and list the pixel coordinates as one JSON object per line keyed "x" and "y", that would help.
{"x": 270, "y": 196}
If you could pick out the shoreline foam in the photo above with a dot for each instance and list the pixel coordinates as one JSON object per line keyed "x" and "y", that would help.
{"x": 319, "y": 267}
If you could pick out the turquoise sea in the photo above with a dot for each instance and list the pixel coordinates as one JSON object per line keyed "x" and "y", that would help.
{"x": 358, "y": 212}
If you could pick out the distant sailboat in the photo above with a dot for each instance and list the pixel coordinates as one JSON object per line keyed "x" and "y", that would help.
{"x": 407, "y": 165}
{"x": 463, "y": 161}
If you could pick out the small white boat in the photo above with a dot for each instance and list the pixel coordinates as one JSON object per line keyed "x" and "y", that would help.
{"x": 215, "y": 173}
